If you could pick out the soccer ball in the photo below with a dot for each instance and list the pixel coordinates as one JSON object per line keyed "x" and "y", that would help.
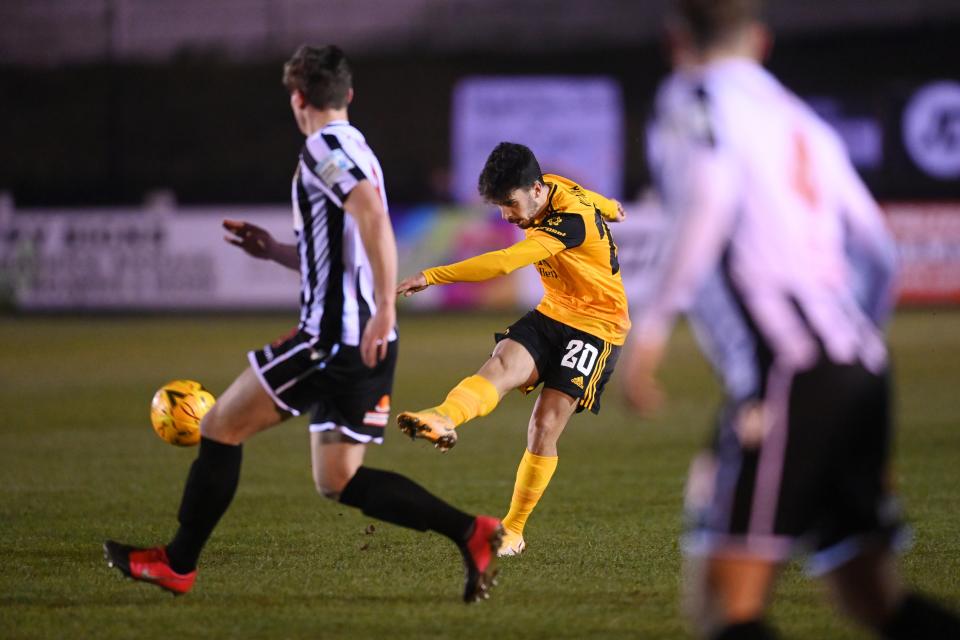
{"x": 177, "y": 409}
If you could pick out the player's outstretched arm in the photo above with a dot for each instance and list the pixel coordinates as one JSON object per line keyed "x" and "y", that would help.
{"x": 258, "y": 242}
{"x": 489, "y": 265}
{"x": 376, "y": 233}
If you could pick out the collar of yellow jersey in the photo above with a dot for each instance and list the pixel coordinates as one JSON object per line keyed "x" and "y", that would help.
{"x": 550, "y": 208}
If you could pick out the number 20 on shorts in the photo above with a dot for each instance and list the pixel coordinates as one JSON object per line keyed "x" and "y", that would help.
{"x": 587, "y": 356}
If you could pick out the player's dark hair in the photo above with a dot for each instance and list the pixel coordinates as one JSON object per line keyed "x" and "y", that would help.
{"x": 510, "y": 166}
{"x": 322, "y": 75}
{"x": 712, "y": 22}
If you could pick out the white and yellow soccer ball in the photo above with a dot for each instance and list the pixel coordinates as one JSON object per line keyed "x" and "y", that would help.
{"x": 177, "y": 409}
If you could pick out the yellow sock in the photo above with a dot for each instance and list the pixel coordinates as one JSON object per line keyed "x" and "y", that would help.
{"x": 533, "y": 476}
{"x": 474, "y": 396}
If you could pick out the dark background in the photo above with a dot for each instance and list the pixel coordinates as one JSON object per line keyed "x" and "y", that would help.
{"x": 215, "y": 128}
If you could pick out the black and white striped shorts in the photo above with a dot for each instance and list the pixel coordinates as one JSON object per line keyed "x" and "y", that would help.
{"x": 333, "y": 384}
{"x": 806, "y": 468}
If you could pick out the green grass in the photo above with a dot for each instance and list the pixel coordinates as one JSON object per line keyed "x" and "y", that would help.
{"x": 79, "y": 463}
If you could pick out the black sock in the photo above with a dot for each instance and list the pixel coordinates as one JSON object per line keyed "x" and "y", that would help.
{"x": 918, "y": 618}
{"x": 210, "y": 487}
{"x": 752, "y": 630}
{"x": 394, "y": 498}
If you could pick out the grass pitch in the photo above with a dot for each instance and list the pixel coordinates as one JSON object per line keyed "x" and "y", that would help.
{"x": 79, "y": 463}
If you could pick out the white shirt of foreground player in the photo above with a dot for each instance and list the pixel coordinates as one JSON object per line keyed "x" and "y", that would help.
{"x": 765, "y": 202}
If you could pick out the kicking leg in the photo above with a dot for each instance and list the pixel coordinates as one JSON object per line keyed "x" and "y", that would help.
{"x": 510, "y": 366}
{"x": 550, "y": 415}
{"x": 340, "y": 475}
{"x": 243, "y": 410}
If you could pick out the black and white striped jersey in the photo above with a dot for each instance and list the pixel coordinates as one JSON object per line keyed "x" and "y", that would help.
{"x": 767, "y": 213}
{"x": 336, "y": 283}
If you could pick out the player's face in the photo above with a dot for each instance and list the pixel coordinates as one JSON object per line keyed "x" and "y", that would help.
{"x": 522, "y": 206}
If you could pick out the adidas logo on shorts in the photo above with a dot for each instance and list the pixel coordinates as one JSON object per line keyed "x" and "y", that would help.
{"x": 578, "y": 381}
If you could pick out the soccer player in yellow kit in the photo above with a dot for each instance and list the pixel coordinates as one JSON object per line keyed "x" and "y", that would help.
{"x": 570, "y": 342}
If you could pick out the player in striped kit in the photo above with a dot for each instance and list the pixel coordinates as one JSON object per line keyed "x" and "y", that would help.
{"x": 339, "y": 363}
{"x": 767, "y": 212}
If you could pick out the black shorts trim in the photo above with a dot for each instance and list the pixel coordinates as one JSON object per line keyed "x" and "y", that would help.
{"x": 364, "y": 437}
{"x": 567, "y": 359}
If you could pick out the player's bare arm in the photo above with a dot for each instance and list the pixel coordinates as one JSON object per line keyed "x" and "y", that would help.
{"x": 376, "y": 233}
{"x": 258, "y": 242}
{"x": 641, "y": 390}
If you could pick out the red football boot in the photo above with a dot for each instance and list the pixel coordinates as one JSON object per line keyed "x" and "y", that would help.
{"x": 480, "y": 558}
{"x": 148, "y": 565}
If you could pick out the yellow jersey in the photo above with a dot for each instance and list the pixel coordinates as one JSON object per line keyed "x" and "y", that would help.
{"x": 581, "y": 278}
{"x": 575, "y": 254}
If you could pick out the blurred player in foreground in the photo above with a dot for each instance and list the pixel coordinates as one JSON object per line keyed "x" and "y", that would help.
{"x": 338, "y": 365}
{"x": 570, "y": 342}
{"x": 767, "y": 212}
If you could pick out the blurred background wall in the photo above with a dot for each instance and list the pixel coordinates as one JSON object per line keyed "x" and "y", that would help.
{"x": 106, "y": 103}
{"x": 103, "y": 100}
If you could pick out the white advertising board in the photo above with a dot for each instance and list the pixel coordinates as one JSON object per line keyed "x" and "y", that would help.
{"x": 139, "y": 259}
{"x": 165, "y": 259}
{"x": 574, "y": 125}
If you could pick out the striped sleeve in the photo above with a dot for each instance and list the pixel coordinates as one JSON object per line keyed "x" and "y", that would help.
{"x": 326, "y": 159}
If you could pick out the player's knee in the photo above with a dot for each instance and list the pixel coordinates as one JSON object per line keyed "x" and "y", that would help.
{"x": 213, "y": 427}
{"x": 216, "y": 428}
{"x": 542, "y": 438}
{"x": 328, "y": 491}
{"x": 504, "y": 370}
{"x": 867, "y": 588}
{"x": 495, "y": 367}
{"x": 545, "y": 424}
{"x": 331, "y": 484}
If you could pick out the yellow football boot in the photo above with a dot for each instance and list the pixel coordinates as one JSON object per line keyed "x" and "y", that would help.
{"x": 429, "y": 425}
